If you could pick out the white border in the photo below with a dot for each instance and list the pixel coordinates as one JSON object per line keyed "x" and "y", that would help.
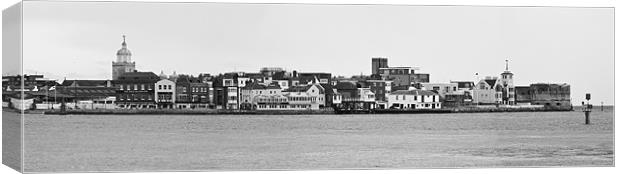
{"x": 571, "y": 3}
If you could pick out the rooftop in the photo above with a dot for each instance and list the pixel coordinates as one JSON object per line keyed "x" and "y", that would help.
{"x": 414, "y": 92}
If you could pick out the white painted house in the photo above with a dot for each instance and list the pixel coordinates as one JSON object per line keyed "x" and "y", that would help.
{"x": 414, "y": 99}
{"x": 165, "y": 93}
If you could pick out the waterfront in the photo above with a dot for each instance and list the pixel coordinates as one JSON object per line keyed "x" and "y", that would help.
{"x": 55, "y": 143}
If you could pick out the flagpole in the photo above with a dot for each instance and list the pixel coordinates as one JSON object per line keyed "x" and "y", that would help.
{"x": 47, "y": 97}
{"x": 54, "y": 97}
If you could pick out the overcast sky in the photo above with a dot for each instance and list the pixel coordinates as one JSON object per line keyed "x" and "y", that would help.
{"x": 79, "y": 40}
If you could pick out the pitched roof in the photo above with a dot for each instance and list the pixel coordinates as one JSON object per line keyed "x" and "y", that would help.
{"x": 414, "y": 92}
{"x": 491, "y": 82}
{"x": 328, "y": 88}
{"x": 138, "y": 76}
{"x": 85, "y": 82}
{"x": 345, "y": 85}
{"x": 252, "y": 86}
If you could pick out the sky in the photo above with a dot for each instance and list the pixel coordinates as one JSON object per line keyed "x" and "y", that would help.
{"x": 79, "y": 40}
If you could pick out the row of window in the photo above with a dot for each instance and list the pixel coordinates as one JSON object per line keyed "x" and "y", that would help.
{"x": 275, "y": 106}
{"x": 165, "y": 87}
{"x": 272, "y": 100}
{"x": 414, "y": 106}
{"x": 134, "y": 97}
{"x": 415, "y": 97}
{"x": 135, "y": 87}
{"x": 164, "y": 98}
{"x": 302, "y": 98}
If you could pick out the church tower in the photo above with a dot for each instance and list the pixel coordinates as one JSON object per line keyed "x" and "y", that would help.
{"x": 508, "y": 93}
{"x": 123, "y": 61}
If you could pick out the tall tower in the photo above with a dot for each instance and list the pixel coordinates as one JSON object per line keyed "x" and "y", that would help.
{"x": 123, "y": 61}
{"x": 378, "y": 62}
{"x": 508, "y": 95}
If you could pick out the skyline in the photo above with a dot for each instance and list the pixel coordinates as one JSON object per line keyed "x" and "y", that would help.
{"x": 246, "y": 37}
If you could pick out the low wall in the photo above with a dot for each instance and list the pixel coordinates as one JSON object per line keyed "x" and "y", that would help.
{"x": 185, "y": 112}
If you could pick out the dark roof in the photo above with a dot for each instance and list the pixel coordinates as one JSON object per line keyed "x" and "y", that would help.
{"x": 252, "y": 86}
{"x": 138, "y": 76}
{"x": 345, "y": 85}
{"x": 304, "y": 88}
{"x": 298, "y": 88}
{"x": 86, "y": 91}
{"x": 85, "y": 82}
{"x": 328, "y": 88}
{"x": 186, "y": 79}
{"x": 491, "y": 82}
{"x": 414, "y": 92}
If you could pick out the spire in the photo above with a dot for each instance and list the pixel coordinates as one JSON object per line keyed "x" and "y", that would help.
{"x": 506, "y": 64}
{"x": 124, "y": 43}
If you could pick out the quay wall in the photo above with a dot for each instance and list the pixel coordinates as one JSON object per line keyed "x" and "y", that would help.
{"x": 297, "y": 112}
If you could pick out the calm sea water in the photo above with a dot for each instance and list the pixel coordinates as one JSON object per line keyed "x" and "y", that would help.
{"x": 55, "y": 143}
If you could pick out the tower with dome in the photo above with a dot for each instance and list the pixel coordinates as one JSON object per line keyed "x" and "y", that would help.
{"x": 123, "y": 61}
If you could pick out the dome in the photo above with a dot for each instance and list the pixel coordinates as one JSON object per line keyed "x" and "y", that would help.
{"x": 123, "y": 51}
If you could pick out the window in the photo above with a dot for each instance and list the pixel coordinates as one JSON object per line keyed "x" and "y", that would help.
{"x": 169, "y": 86}
{"x": 404, "y": 97}
{"x": 159, "y": 87}
{"x": 142, "y": 87}
{"x": 135, "y": 87}
{"x": 415, "y": 97}
{"x": 121, "y": 87}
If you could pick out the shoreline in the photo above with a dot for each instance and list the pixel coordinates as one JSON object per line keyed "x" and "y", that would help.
{"x": 290, "y": 112}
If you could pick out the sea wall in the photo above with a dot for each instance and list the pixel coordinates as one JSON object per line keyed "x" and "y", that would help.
{"x": 185, "y": 112}
{"x": 297, "y": 112}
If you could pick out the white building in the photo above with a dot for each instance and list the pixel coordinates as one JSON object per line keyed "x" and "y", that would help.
{"x": 310, "y": 96}
{"x": 414, "y": 99}
{"x": 254, "y": 93}
{"x": 165, "y": 93}
{"x": 366, "y": 95}
{"x": 484, "y": 91}
{"x": 493, "y": 90}
{"x": 441, "y": 88}
{"x": 256, "y": 96}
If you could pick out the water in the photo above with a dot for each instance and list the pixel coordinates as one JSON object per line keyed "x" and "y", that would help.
{"x": 55, "y": 143}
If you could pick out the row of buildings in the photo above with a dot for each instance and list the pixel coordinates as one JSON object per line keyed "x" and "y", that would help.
{"x": 272, "y": 88}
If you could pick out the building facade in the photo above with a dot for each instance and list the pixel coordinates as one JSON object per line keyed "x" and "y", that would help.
{"x": 551, "y": 95}
{"x": 378, "y": 62}
{"x": 414, "y": 99}
{"x": 484, "y": 93}
{"x": 191, "y": 93}
{"x": 381, "y": 88}
{"x": 136, "y": 90}
{"x": 400, "y": 76}
{"x": 441, "y": 88}
{"x": 165, "y": 94}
